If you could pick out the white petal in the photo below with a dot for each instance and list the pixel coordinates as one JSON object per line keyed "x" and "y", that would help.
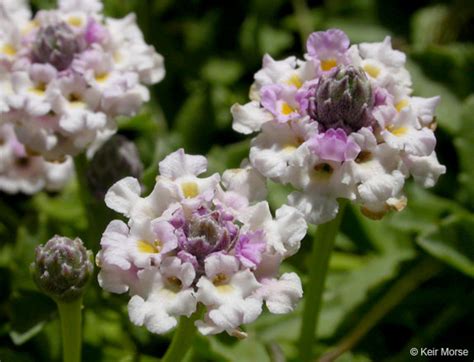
{"x": 245, "y": 181}
{"x": 317, "y": 209}
{"x": 249, "y": 117}
{"x": 282, "y": 295}
{"x": 122, "y": 195}
{"x": 425, "y": 169}
{"x": 292, "y": 228}
{"x": 220, "y": 264}
{"x": 178, "y": 164}
{"x": 256, "y": 216}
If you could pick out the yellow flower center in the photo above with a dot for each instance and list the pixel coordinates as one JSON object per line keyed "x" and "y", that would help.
{"x": 190, "y": 189}
{"x": 397, "y": 131}
{"x": 372, "y": 70}
{"x": 225, "y": 289}
{"x": 402, "y": 104}
{"x": 101, "y": 78}
{"x": 286, "y": 109}
{"x": 8, "y": 49}
{"x": 149, "y": 248}
{"x": 74, "y": 21}
{"x": 38, "y": 89}
{"x": 295, "y": 80}
{"x": 328, "y": 64}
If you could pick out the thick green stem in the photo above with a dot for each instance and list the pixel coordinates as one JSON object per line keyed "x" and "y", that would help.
{"x": 319, "y": 262}
{"x": 182, "y": 339}
{"x": 71, "y": 326}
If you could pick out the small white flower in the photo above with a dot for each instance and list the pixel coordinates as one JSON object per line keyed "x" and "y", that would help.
{"x": 228, "y": 294}
{"x": 166, "y": 295}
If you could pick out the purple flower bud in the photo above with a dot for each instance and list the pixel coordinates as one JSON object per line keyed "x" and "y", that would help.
{"x": 62, "y": 268}
{"x": 116, "y": 159}
{"x": 56, "y": 44}
{"x": 344, "y": 99}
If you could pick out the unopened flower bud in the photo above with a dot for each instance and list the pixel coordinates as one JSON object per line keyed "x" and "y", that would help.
{"x": 56, "y": 44}
{"x": 62, "y": 268}
{"x": 343, "y": 100}
{"x": 116, "y": 159}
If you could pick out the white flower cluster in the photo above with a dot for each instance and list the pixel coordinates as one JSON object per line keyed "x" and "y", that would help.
{"x": 340, "y": 124}
{"x": 199, "y": 240}
{"x": 20, "y": 172}
{"x": 67, "y": 73}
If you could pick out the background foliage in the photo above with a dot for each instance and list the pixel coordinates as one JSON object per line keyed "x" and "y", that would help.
{"x": 403, "y": 282}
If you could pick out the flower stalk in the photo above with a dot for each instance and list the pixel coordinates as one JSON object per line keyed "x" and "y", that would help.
{"x": 71, "y": 329}
{"x": 319, "y": 262}
{"x": 182, "y": 339}
{"x": 62, "y": 270}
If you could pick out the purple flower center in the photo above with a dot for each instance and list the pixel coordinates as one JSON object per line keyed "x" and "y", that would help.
{"x": 56, "y": 44}
{"x": 342, "y": 100}
{"x": 214, "y": 231}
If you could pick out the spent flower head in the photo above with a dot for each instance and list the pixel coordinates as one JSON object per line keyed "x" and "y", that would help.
{"x": 199, "y": 240}
{"x": 62, "y": 268}
{"x": 118, "y": 157}
{"x": 341, "y": 123}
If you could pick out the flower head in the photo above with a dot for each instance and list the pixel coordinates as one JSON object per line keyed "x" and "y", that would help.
{"x": 62, "y": 268}
{"x": 194, "y": 239}
{"x": 340, "y": 124}
{"x": 67, "y": 73}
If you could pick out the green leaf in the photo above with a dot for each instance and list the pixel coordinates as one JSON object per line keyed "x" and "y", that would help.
{"x": 7, "y": 354}
{"x": 428, "y": 25}
{"x": 451, "y": 64}
{"x": 357, "y": 31}
{"x": 448, "y": 112}
{"x": 465, "y": 147}
{"x": 26, "y": 321}
{"x": 247, "y": 350}
{"x": 222, "y": 158}
{"x": 222, "y": 71}
{"x": 452, "y": 243}
{"x": 195, "y": 121}
{"x": 274, "y": 41}
{"x": 424, "y": 210}
{"x": 348, "y": 290}
{"x": 65, "y": 207}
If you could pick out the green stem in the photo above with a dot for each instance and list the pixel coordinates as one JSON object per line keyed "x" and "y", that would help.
{"x": 319, "y": 262}
{"x": 182, "y": 339}
{"x": 96, "y": 213}
{"x": 425, "y": 270}
{"x": 71, "y": 326}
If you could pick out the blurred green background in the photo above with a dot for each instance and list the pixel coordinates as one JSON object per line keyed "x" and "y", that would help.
{"x": 403, "y": 282}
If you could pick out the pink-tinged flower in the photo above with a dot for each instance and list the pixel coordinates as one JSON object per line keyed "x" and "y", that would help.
{"x": 22, "y": 172}
{"x": 333, "y": 145}
{"x": 340, "y": 124}
{"x": 72, "y": 67}
{"x": 329, "y": 47}
{"x": 200, "y": 240}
